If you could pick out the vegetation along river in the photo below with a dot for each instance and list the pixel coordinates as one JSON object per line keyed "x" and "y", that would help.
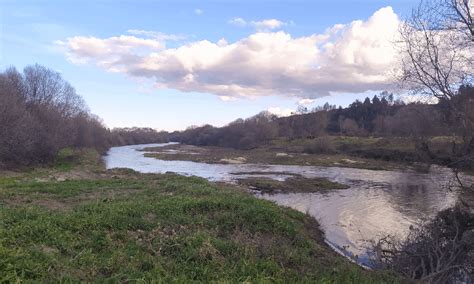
{"x": 376, "y": 203}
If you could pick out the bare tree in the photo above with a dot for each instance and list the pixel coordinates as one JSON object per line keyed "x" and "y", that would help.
{"x": 438, "y": 55}
{"x": 459, "y": 14}
{"x": 437, "y": 42}
{"x": 40, "y": 113}
{"x": 15, "y": 122}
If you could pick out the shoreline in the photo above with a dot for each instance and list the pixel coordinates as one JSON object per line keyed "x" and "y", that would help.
{"x": 162, "y": 219}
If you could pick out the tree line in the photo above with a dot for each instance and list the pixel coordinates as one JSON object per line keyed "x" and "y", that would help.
{"x": 380, "y": 116}
{"x": 41, "y": 113}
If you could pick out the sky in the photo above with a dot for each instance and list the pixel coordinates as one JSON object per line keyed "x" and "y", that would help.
{"x": 172, "y": 64}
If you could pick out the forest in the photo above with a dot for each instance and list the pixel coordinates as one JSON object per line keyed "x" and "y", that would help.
{"x": 381, "y": 116}
{"x": 41, "y": 113}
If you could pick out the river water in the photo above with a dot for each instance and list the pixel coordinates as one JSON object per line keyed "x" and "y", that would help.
{"x": 376, "y": 204}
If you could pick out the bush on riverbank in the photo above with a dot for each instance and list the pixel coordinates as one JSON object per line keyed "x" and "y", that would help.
{"x": 441, "y": 251}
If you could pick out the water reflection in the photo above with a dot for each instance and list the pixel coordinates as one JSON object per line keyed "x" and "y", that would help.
{"x": 376, "y": 204}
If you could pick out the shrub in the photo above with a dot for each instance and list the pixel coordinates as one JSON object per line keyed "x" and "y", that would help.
{"x": 439, "y": 252}
{"x": 320, "y": 145}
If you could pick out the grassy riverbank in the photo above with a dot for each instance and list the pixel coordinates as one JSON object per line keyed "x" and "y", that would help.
{"x": 374, "y": 153}
{"x": 330, "y": 151}
{"x": 75, "y": 221}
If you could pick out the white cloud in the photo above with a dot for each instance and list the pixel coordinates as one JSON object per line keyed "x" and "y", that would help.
{"x": 227, "y": 98}
{"x": 305, "y": 101}
{"x": 198, "y": 12}
{"x": 413, "y": 98}
{"x": 222, "y": 42}
{"x": 109, "y": 53}
{"x": 281, "y": 111}
{"x": 156, "y": 35}
{"x": 262, "y": 26}
{"x": 267, "y": 25}
{"x": 350, "y": 58}
{"x": 238, "y": 22}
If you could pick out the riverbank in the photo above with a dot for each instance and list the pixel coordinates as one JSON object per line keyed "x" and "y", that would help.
{"x": 75, "y": 221}
{"x": 278, "y": 153}
{"x": 371, "y": 153}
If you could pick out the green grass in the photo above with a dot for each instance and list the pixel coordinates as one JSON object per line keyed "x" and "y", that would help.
{"x": 70, "y": 158}
{"x": 126, "y": 226}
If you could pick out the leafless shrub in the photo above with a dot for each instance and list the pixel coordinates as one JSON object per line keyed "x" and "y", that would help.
{"x": 320, "y": 145}
{"x": 439, "y": 252}
{"x": 350, "y": 127}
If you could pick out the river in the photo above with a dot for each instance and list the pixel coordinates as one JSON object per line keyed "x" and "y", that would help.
{"x": 376, "y": 204}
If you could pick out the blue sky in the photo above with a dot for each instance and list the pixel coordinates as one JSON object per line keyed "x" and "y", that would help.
{"x": 48, "y": 32}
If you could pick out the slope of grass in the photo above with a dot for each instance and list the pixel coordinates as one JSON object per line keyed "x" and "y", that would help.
{"x": 123, "y": 226}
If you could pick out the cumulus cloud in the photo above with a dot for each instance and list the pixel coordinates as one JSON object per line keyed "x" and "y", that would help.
{"x": 269, "y": 24}
{"x": 198, "y": 12}
{"x": 110, "y": 53}
{"x": 349, "y": 58}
